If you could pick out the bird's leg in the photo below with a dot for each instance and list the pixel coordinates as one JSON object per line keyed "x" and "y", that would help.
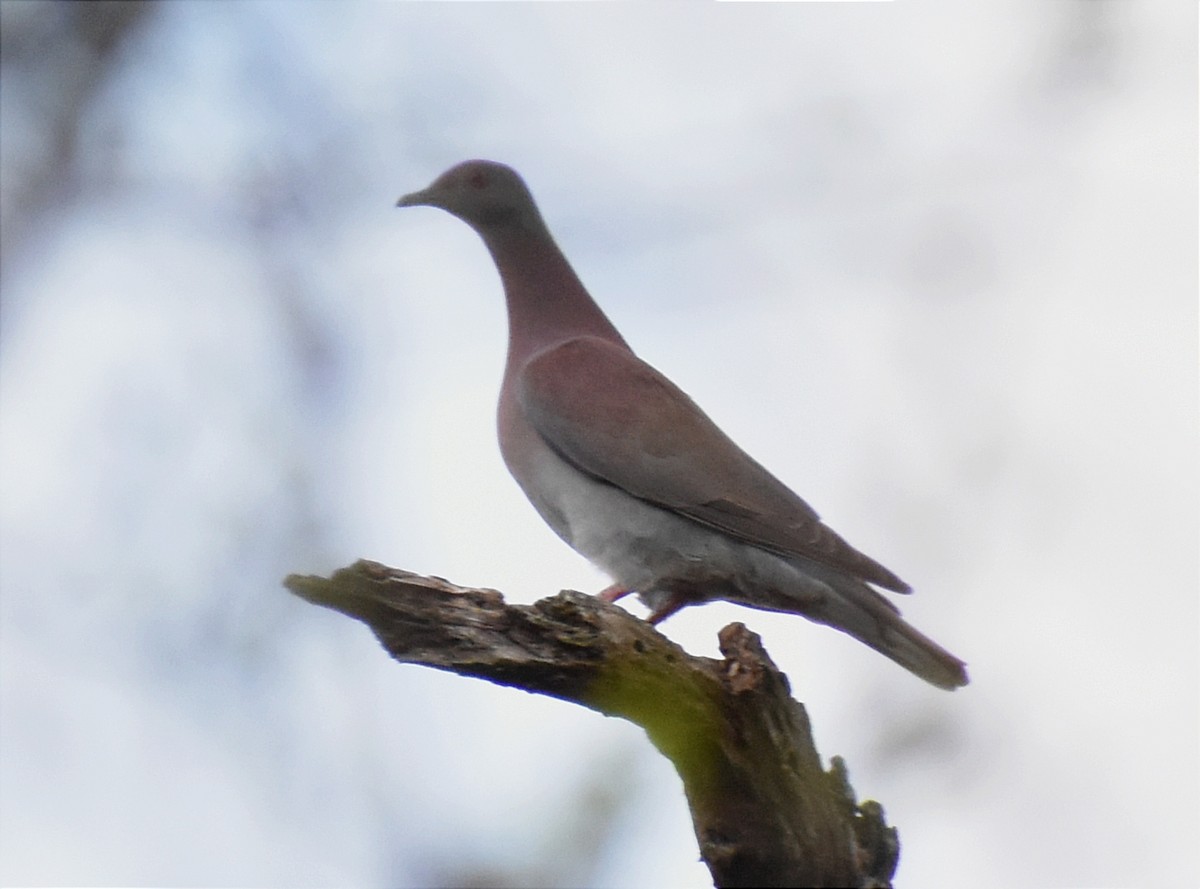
{"x": 612, "y": 593}
{"x": 667, "y": 608}
{"x": 662, "y": 612}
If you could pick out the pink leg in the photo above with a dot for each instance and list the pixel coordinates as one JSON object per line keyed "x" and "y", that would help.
{"x": 613, "y": 593}
{"x": 668, "y": 608}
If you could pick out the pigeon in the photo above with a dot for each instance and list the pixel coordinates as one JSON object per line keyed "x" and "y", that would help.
{"x": 633, "y": 475}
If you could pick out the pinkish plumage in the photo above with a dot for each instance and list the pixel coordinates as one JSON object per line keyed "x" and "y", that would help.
{"x": 633, "y": 475}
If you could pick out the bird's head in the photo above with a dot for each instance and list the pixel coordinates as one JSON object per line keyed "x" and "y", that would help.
{"x": 484, "y": 194}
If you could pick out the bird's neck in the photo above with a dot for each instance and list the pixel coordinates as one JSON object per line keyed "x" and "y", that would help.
{"x": 547, "y": 303}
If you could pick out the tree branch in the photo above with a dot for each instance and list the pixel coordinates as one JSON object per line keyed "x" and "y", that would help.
{"x": 765, "y": 812}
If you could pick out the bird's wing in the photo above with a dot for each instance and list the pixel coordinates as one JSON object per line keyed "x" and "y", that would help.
{"x": 613, "y": 416}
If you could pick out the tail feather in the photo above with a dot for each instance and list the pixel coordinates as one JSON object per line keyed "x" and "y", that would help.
{"x": 867, "y": 616}
{"x": 919, "y": 654}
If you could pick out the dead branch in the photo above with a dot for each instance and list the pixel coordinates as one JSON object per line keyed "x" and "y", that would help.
{"x": 765, "y": 811}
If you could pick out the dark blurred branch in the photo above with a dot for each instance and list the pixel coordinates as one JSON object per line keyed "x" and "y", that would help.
{"x": 765, "y": 812}
{"x": 55, "y": 59}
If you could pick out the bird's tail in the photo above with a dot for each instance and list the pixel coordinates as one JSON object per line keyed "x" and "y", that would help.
{"x": 919, "y": 654}
{"x": 869, "y": 617}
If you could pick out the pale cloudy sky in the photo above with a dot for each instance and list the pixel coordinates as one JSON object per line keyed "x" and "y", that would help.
{"x": 934, "y": 265}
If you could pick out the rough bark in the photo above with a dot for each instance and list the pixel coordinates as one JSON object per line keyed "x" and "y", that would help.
{"x": 765, "y": 811}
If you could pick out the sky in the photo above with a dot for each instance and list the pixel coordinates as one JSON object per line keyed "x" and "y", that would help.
{"x": 934, "y": 265}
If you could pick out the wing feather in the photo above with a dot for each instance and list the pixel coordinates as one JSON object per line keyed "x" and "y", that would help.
{"x": 615, "y": 417}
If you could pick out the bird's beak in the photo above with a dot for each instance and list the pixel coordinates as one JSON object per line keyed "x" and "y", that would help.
{"x": 416, "y": 199}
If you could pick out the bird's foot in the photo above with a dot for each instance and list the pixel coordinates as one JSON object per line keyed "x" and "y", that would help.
{"x": 667, "y": 608}
{"x": 612, "y": 593}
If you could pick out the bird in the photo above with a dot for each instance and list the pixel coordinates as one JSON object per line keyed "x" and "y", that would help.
{"x": 633, "y": 475}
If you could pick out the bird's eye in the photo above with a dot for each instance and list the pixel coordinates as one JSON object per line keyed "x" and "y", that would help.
{"x": 478, "y": 180}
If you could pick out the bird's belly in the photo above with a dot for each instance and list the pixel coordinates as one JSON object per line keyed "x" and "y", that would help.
{"x": 659, "y": 553}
